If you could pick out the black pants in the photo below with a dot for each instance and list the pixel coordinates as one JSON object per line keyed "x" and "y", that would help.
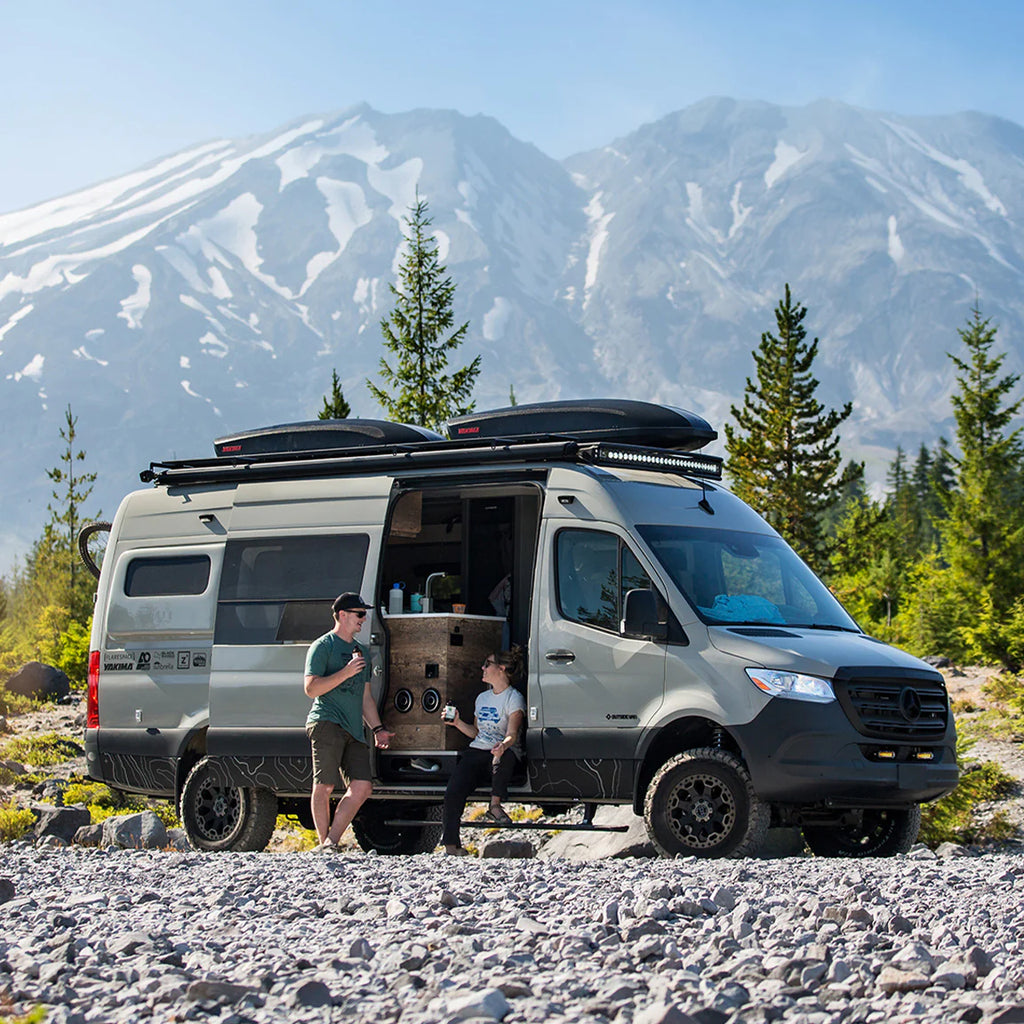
{"x": 472, "y": 768}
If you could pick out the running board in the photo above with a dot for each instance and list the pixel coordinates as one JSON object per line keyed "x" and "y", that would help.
{"x": 521, "y": 825}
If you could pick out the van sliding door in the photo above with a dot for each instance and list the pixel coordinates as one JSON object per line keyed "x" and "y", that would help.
{"x": 289, "y": 555}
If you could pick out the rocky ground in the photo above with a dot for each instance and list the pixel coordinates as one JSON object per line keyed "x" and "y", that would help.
{"x": 137, "y": 935}
{"x": 121, "y": 935}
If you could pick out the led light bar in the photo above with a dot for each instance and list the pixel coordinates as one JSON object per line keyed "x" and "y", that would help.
{"x": 688, "y": 463}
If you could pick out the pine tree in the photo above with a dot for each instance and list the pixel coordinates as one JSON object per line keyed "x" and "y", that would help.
{"x": 417, "y": 389}
{"x": 72, "y": 488}
{"x": 983, "y": 536}
{"x": 783, "y": 452}
{"x": 335, "y": 406}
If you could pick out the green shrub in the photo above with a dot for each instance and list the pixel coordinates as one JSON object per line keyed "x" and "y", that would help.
{"x": 14, "y": 822}
{"x": 15, "y": 704}
{"x": 90, "y": 793}
{"x": 34, "y": 1016}
{"x": 41, "y": 751}
{"x": 953, "y": 818}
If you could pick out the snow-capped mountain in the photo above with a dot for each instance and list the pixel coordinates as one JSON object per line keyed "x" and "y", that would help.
{"x": 216, "y": 289}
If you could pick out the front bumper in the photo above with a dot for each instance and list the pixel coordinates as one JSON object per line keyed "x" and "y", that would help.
{"x": 803, "y": 753}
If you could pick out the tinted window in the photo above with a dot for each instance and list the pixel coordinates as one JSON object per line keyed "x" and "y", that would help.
{"x": 594, "y": 574}
{"x": 277, "y": 590}
{"x": 167, "y": 577}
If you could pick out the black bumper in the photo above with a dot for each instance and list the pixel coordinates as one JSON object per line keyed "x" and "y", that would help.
{"x": 804, "y": 753}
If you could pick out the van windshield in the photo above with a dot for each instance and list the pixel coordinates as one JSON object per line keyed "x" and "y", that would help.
{"x": 744, "y": 578}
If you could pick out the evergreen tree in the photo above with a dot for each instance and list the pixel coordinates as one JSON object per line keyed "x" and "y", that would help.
{"x": 512, "y": 395}
{"x": 417, "y": 388}
{"x": 335, "y": 406}
{"x": 783, "y": 452}
{"x": 983, "y": 536}
{"x": 72, "y": 488}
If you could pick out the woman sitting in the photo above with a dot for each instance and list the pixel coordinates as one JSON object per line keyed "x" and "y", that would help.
{"x": 495, "y": 748}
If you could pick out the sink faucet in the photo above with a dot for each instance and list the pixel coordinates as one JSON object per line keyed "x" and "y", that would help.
{"x": 428, "y": 604}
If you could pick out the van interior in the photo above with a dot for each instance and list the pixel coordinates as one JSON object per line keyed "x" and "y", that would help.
{"x": 468, "y": 552}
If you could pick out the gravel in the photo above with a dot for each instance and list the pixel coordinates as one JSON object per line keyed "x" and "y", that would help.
{"x": 126, "y": 935}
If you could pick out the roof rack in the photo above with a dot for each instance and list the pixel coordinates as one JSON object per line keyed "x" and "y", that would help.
{"x": 639, "y": 435}
{"x": 426, "y": 455}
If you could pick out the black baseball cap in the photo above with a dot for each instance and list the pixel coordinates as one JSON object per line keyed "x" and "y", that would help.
{"x": 348, "y": 602}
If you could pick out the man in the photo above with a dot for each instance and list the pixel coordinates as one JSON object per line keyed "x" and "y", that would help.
{"x": 338, "y": 680}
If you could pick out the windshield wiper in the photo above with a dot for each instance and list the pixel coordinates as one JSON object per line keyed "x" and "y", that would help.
{"x": 824, "y": 625}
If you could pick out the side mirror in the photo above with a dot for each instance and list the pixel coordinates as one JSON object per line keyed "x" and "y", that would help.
{"x": 641, "y": 616}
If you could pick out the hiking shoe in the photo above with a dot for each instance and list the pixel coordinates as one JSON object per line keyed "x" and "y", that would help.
{"x": 498, "y": 816}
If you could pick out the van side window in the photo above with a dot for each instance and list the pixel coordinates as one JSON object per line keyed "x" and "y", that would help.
{"x": 280, "y": 589}
{"x": 172, "y": 576}
{"x": 594, "y": 573}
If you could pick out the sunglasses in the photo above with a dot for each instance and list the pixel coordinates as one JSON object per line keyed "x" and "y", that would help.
{"x": 491, "y": 661}
{"x": 359, "y": 613}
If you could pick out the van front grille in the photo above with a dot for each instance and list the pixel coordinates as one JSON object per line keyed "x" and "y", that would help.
{"x": 894, "y": 708}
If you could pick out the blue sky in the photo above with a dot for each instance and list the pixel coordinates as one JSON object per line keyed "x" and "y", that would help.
{"x": 92, "y": 90}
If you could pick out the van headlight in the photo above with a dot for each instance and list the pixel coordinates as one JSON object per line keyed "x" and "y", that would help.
{"x": 793, "y": 685}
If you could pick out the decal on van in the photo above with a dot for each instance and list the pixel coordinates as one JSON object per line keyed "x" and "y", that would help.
{"x": 155, "y": 661}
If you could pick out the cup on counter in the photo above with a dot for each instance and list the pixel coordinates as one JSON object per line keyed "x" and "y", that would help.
{"x": 458, "y": 609}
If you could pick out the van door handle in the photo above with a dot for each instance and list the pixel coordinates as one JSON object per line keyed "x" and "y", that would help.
{"x": 561, "y": 657}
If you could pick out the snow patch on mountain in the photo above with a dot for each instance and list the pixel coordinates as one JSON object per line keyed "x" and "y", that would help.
{"x": 895, "y": 244}
{"x": 133, "y": 308}
{"x": 33, "y": 369}
{"x": 496, "y": 319}
{"x": 14, "y": 318}
{"x": 347, "y": 211}
{"x": 599, "y": 221}
{"x": 786, "y": 156}
{"x": 82, "y": 353}
{"x": 969, "y": 176}
{"x": 398, "y": 184}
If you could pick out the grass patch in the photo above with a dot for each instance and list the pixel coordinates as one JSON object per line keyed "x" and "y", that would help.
{"x": 35, "y": 1016}
{"x": 41, "y": 751}
{"x": 16, "y": 704}
{"x": 296, "y": 837}
{"x": 955, "y": 818}
{"x": 14, "y": 822}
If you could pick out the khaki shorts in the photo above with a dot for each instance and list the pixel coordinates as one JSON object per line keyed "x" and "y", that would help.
{"x": 335, "y": 748}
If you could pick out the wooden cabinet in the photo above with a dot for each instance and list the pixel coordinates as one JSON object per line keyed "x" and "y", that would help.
{"x": 434, "y": 659}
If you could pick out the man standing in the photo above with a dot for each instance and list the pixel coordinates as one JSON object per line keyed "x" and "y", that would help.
{"x": 338, "y": 680}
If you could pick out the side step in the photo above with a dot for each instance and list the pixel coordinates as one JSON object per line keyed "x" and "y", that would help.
{"x": 582, "y": 826}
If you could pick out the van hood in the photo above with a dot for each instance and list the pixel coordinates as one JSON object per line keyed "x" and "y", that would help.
{"x": 816, "y": 652}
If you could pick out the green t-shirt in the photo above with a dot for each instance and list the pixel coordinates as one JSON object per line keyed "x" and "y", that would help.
{"x": 344, "y": 704}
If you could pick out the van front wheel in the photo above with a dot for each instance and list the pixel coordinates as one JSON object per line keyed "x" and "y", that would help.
{"x": 702, "y": 803}
{"x": 219, "y": 816}
{"x": 881, "y": 833}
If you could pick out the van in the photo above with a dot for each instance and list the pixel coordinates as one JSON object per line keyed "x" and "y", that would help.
{"x": 682, "y": 659}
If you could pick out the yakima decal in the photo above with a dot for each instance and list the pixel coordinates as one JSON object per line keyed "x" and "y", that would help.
{"x": 469, "y": 430}
{"x": 119, "y": 661}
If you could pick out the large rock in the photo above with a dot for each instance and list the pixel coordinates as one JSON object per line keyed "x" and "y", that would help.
{"x": 62, "y": 822}
{"x": 34, "y": 679}
{"x": 511, "y": 848}
{"x": 142, "y": 831}
{"x": 580, "y": 846}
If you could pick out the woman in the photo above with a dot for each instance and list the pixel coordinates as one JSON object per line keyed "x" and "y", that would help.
{"x": 498, "y": 720}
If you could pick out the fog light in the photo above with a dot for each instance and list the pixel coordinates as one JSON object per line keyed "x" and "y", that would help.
{"x": 886, "y": 755}
{"x": 925, "y": 755}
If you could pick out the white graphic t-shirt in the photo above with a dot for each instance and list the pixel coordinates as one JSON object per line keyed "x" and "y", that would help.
{"x": 492, "y": 714}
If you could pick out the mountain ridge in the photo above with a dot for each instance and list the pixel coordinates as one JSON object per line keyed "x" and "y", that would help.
{"x": 214, "y": 289}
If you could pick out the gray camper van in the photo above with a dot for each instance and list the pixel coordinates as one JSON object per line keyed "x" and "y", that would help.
{"x": 681, "y": 658}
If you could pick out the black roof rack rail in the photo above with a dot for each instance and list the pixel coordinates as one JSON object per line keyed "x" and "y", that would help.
{"x": 402, "y": 458}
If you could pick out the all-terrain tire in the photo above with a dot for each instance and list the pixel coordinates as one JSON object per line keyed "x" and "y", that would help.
{"x": 702, "y": 803}
{"x": 217, "y": 816}
{"x": 373, "y": 832}
{"x": 881, "y": 833}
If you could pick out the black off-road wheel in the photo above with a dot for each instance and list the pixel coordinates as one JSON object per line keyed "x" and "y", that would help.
{"x": 880, "y": 833}
{"x": 373, "y": 830}
{"x": 702, "y": 803}
{"x": 217, "y": 816}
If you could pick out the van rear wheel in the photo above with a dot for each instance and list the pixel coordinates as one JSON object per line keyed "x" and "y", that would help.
{"x": 373, "y": 829}
{"x": 219, "y": 816}
{"x": 880, "y": 833}
{"x": 702, "y": 803}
